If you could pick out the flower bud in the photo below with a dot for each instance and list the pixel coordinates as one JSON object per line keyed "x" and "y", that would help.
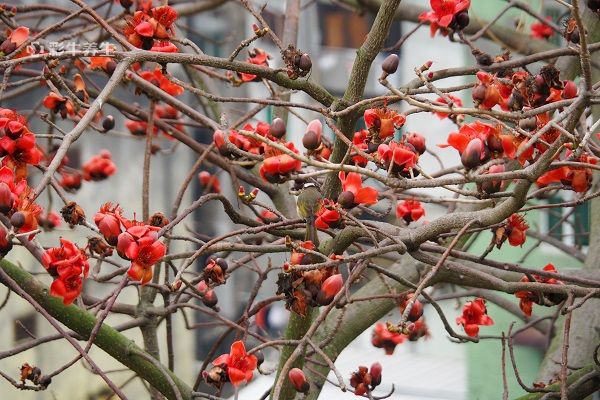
{"x": 6, "y": 198}
{"x": 210, "y": 299}
{"x": 219, "y": 139}
{"x": 478, "y": 93}
{"x": 108, "y": 123}
{"x": 329, "y": 288}
{"x": 5, "y": 243}
{"x": 346, "y": 199}
{"x": 375, "y": 373}
{"x": 460, "y": 21}
{"x": 278, "y": 128}
{"x": 570, "y": 90}
{"x": 417, "y": 141}
{"x": 298, "y": 380}
{"x": 304, "y": 62}
{"x": 390, "y": 64}
{"x": 416, "y": 311}
{"x": 473, "y": 154}
{"x": 311, "y": 140}
{"x": 17, "y": 220}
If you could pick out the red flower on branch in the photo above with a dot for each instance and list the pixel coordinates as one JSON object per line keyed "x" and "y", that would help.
{"x": 409, "y": 210}
{"x": 71, "y": 181}
{"x": 99, "y": 167}
{"x": 140, "y": 245}
{"x": 353, "y": 192}
{"x": 383, "y": 122}
{"x": 16, "y": 38}
{"x": 17, "y": 144}
{"x": 277, "y": 165}
{"x": 238, "y": 364}
{"x": 404, "y": 156}
{"x": 456, "y": 101}
{"x": 328, "y": 216}
{"x": 365, "y": 380}
{"x": 151, "y": 30}
{"x": 516, "y": 230}
{"x": 360, "y": 140}
{"x": 10, "y": 190}
{"x": 297, "y": 256}
{"x": 157, "y": 78}
{"x": 382, "y": 338}
{"x": 540, "y": 30}
{"x": 490, "y": 92}
{"x": 108, "y": 221}
{"x": 59, "y": 105}
{"x": 446, "y": 14}
{"x": 578, "y": 178}
{"x": 209, "y": 182}
{"x": 474, "y": 314}
{"x": 66, "y": 264}
{"x": 527, "y": 298}
{"x": 257, "y": 57}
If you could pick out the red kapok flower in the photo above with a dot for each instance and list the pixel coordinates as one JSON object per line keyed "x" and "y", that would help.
{"x": 488, "y": 93}
{"x": 360, "y": 141}
{"x": 258, "y": 57}
{"x": 49, "y": 221}
{"x": 443, "y": 13}
{"x": 578, "y": 178}
{"x": 239, "y": 364}
{"x": 474, "y": 314}
{"x": 457, "y": 102}
{"x": 99, "y": 167}
{"x": 384, "y": 339}
{"x": 297, "y": 256}
{"x": 140, "y": 245}
{"x": 405, "y": 157}
{"x": 365, "y": 380}
{"x": 540, "y": 30}
{"x": 527, "y": 298}
{"x": 157, "y": 78}
{"x": 417, "y": 330}
{"x": 108, "y": 221}
{"x": 383, "y": 122}
{"x": 360, "y": 195}
{"x": 409, "y": 210}
{"x": 516, "y": 229}
{"x": 71, "y": 181}
{"x": 209, "y": 182}
{"x": 327, "y": 216}
{"x": 146, "y": 29}
{"x": 66, "y": 264}
{"x": 277, "y": 165}
{"x": 16, "y": 38}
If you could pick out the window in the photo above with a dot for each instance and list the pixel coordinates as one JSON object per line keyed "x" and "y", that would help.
{"x": 344, "y": 28}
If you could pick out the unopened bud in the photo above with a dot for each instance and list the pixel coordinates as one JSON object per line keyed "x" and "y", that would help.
{"x": 390, "y": 64}
{"x": 375, "y": 373}
{"x": 298, "y": 380}
{"x": 329, "y": 288}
